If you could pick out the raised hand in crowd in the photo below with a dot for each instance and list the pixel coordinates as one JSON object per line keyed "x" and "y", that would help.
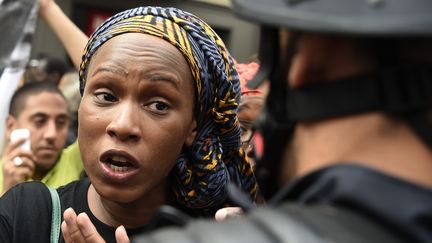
{"x": 72, "y": 38}
{"x": 18, "y": 164}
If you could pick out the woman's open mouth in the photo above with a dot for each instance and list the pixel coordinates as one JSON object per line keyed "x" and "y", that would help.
{"x": 118, "y": 165}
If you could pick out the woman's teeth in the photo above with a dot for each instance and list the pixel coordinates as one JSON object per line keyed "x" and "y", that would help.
{"x": 118, "y": 168}
{"x": 119, "y": 159}
{"x": 119, "y": 164}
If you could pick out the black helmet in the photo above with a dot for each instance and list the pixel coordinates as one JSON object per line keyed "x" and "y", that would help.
{"x": 364, "y": 17}
{"x": 403, "y": 89}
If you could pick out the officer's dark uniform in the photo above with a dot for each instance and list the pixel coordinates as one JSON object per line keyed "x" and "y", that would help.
{"x": 342, "y": 203}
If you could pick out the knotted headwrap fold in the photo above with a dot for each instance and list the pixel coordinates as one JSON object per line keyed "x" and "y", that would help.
{"x": 215, "y": 157}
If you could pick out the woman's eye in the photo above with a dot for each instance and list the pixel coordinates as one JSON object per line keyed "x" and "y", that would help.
{"x": 159, "y": 107}
{"x": 105, "y": 97}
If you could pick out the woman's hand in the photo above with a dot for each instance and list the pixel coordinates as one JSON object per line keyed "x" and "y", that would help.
{"x": 80, "y": 229}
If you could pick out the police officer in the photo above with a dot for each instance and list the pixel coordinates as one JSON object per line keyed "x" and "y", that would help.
{"x": 348, "y": 118}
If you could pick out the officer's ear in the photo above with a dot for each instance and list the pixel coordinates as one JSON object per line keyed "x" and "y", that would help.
{"x": 320, "y": 58}
{"x": 314, "y": 57}
{"x": 309, "y": 61}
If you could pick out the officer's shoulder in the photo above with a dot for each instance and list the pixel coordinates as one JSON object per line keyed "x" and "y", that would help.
{"x": 286, "y": 223}
{"x": 319, "y": 223}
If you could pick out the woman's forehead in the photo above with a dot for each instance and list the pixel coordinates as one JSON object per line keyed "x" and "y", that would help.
{"x": 137, "y": 50}
{"x": 142, "y": 44}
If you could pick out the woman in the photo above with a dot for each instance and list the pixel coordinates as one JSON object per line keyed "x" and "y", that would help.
{"x": 157, "y": 125}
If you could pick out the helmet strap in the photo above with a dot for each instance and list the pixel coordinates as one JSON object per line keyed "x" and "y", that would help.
{"x": 400, "y": 91}
{"x": 273, "y": 123}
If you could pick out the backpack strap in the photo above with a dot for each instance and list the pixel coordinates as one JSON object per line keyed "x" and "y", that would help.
{"x": 56, "y": 216}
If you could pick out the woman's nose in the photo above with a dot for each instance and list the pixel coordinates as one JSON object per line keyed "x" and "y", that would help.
{"x": 125, "y": 124}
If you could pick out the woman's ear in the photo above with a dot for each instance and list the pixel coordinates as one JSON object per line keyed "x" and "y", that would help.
{"x": 192, "y": 133}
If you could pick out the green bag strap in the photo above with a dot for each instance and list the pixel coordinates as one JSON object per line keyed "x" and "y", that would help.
{"x": 56, "y": 216}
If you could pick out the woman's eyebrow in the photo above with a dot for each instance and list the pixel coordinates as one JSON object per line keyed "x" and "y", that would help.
{"x": 151, "y": 76}
{"x": 110, "y": 69}
{"x": 162, "y": 77}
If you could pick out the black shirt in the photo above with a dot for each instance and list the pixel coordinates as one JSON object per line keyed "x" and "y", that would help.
{"x": 25, "y": 212}
{"x": 402, "y": 207}
{"x": 341, "y": 203}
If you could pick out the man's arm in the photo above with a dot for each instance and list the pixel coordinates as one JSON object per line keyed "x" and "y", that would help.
{"x": 72, "y": 38}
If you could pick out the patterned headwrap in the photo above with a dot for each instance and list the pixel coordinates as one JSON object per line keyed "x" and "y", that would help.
{"x": 215, "y": 158}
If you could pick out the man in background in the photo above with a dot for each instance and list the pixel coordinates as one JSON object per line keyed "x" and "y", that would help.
{"x": 41, "y": 108}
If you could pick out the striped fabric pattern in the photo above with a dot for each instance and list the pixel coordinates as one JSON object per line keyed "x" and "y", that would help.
{"x": 215, "y": 159}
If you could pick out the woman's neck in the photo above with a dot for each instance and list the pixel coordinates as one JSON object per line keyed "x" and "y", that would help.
{"x": 131, "y": 215}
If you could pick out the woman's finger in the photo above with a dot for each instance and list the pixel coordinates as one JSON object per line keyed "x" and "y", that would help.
{"x": 65, "y": 232}
{"x": 88, "y": 230}
{"x": 121, "y": 235}
{"x": 70, "y": 218}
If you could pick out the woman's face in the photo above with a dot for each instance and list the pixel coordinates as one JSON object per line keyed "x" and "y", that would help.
{"x": 135, "y": 116}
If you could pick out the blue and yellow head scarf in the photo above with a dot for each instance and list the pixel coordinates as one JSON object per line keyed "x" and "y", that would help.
{"x": 215, "y": 159}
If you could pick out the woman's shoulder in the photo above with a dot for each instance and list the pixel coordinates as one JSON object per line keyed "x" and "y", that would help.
{"x": 24, "y": 198}
{"x": 25, "y": 206}
{"x": 37, "y": 192}
{"x": 27, "y": 193}
{"x": 74, "y": 194}
{"x": 74, "y": 186}
{"x": 27, "y": 189}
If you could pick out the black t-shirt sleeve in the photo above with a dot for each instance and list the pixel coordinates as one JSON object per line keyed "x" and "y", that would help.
{"x": 25, "y": 213}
